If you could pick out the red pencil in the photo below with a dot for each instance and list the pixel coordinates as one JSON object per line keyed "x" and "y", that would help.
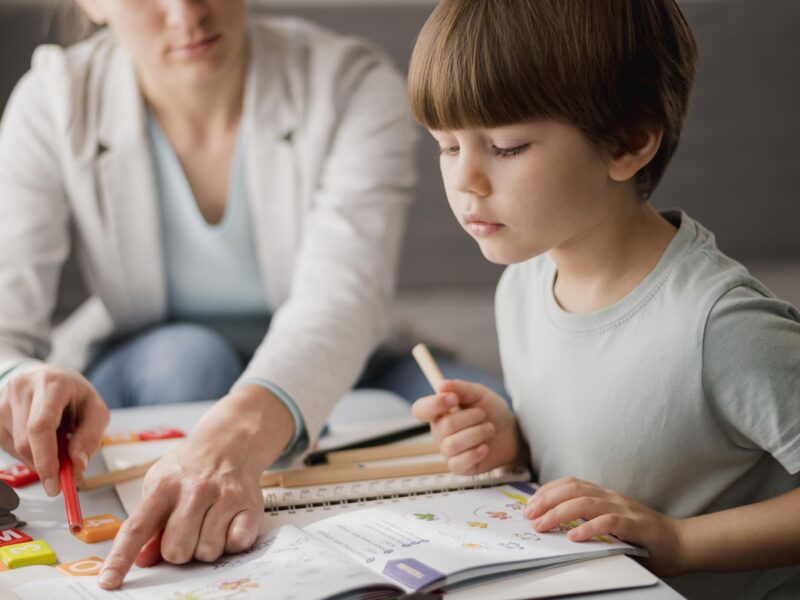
{"x": 65, "y": 473}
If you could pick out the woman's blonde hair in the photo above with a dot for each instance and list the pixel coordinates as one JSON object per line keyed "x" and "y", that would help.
{"x": 70, "y": 23}
{"x": 616, "y": 69}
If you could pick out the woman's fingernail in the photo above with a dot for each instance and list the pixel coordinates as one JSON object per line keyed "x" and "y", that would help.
{"x": 50, "y": 486}
{"x": 452, "y": 399}
{"x": 84, "y": 458}
{"x": 488, "y": 428}
{"x": 538, "y": 522}
{"x": 107, "y": 578}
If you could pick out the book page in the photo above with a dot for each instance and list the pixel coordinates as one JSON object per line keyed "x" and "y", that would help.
{"x": 425, "y": 542}
{"x": 285, "y": 564}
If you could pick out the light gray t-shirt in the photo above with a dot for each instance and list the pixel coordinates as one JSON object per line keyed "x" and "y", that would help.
{"x": 684, "y": 395}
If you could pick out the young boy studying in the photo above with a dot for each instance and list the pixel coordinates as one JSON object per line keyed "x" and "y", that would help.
{"x": 655, "y": 383}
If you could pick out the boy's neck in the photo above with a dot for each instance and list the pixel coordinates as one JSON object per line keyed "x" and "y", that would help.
{"x": 609, "y": 261}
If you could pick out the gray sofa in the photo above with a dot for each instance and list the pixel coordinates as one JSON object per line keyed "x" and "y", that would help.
{"x": 737, "y": 170}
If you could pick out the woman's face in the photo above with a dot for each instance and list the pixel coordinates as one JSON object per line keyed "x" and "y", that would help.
{"x": 191, "y": 41}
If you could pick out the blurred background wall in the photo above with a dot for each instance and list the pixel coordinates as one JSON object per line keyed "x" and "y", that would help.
{"x": 737, "y": 170}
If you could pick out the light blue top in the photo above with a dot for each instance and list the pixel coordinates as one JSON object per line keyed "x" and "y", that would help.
{"x": 212, "y": 273}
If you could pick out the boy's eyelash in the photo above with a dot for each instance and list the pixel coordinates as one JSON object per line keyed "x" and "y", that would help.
{"x": 509, "y": 152}
{"x": 501, "y": 152}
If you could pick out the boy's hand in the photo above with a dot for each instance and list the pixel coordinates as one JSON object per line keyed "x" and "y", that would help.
{"x": 606, "y": 511}
{"x": 479, "y": 437}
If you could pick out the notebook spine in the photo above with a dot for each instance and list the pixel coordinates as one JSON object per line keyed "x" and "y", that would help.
{"x": 375, "y": 492}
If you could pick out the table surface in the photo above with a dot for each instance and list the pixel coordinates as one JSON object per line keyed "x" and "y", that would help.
{"x": 46, "y": 517}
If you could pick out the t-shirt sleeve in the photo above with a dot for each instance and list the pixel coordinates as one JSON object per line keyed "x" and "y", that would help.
{"x": 751, "y": 372}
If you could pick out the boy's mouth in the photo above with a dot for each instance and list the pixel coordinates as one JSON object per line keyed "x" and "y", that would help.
{"x": 480, "y": 228}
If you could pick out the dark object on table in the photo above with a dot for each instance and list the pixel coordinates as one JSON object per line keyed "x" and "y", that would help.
{"x": 8, "y": 501}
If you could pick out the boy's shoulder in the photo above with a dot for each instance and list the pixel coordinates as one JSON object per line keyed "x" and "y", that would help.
{"x": 693, "y": 276}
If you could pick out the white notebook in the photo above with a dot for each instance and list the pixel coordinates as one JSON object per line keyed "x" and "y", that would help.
{"x": 416, "y": 543}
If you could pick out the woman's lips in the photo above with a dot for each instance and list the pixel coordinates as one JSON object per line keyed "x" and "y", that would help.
{"x": 196, "y": 49}
{"x": 480, "y": 228}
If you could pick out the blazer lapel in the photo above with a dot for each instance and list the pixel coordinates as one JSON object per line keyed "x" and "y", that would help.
{"x": 128, "y": 198}
{"x": 272, "y": 187}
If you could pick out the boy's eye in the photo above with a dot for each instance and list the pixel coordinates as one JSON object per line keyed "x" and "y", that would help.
{"x": 448, "y": 150}
{"x": 509, "y": 152}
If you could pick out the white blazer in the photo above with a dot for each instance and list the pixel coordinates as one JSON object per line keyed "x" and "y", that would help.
{"x": 330, "y": 170}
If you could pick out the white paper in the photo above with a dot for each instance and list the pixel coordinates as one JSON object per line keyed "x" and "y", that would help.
{"x": 597, "y": 575}
{"x": 419, "y": 542}
{"x": 287, "y": 564}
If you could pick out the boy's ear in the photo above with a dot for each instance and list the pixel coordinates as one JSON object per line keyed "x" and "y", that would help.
{"x": 94, "y": 9}
{"x": 626, "y": 163}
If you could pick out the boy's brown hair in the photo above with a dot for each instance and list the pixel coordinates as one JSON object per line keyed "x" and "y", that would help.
{"x": 613, "y": 68}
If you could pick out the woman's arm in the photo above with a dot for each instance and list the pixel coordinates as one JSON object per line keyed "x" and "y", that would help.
{"x": 34, "y": 243}
{"x": 34, "y": 234}
{"x": 343, "y": 278}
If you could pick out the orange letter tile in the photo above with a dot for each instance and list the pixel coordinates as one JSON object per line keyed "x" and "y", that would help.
{"x": 99, "y": 529}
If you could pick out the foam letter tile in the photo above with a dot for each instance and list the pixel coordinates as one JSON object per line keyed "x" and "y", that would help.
{"x": 120, "y": 437}
{"x": 26, "y": 554}
{"x": 84, "y": 567}
{"x": 9, "y": 537}
{"x": 18, "y": 475}
{"x": 99, "y": 529}
{"x": 160, "y": 433}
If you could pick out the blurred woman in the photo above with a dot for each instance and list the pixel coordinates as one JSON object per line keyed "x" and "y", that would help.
{"x": 235, "y": 191}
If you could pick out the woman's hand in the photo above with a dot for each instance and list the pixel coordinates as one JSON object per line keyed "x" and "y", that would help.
{"x": 204, "y": 499}
{"x": 479, "y": 437}
{"x": 608, "y": 512}
{"x": 32, "y": 406}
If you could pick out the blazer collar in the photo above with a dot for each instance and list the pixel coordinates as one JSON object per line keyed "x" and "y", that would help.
{"x": 128, "y": 197}
{"x": 273, "y": 171}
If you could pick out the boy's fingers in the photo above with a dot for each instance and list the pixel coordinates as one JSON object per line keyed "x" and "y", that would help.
{"x": 468, "y": 393}
{"x": 555, "y": 492}
{"x": 465, "y": 439}
{"x": 457, "y": 421}
{"x": 571, "y": 510}
{"x": 466, "y": 462}
{"x": 431, "y": 408}
{"x": 622, "y": 527}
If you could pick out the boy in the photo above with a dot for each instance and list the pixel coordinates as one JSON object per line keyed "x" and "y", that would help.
{"x": 638, "y": 356}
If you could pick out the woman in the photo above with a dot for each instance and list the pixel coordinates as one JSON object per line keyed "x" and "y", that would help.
{"x": 236, "y": 176}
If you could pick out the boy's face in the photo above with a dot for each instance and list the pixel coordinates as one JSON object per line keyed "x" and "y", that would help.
{"x": 525, "y": 189}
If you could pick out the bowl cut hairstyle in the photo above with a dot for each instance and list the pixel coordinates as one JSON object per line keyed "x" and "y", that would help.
{"x": 615, "y": 69}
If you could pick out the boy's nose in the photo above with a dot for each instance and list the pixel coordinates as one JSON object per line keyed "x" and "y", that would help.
{"x": 469, "y": 177}
{"x": 183, "y": 14}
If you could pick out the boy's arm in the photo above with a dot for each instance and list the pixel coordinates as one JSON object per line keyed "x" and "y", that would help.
{"x": 751, "y": 350}
{"x": 755, "y": 536}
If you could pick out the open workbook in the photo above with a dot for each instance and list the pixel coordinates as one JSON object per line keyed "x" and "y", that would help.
{"x": 418, "y": 543}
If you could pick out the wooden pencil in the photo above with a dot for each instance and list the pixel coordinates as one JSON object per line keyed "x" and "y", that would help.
{"x": 362, "y": 455}
{"x": 118, "y": 476}
{"x": 322, "y": 475}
